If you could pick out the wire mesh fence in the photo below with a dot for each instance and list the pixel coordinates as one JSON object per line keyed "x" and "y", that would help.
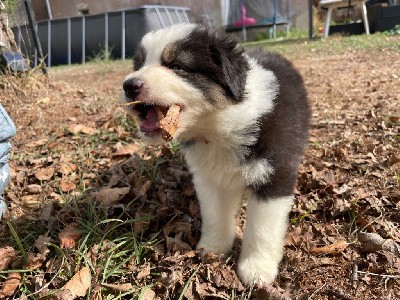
{"x": 21, "y": 38}
{"x": 69, "y": 40}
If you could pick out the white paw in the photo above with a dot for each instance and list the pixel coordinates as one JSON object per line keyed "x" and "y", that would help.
{"x": 257, "y": 270}
{"x": 214, "y": 246}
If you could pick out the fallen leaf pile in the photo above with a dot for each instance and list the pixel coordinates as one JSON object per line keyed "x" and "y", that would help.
{"x": 98, "y": 214}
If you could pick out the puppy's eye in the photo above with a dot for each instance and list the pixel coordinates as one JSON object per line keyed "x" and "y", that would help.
{"x": 176, "y": 67}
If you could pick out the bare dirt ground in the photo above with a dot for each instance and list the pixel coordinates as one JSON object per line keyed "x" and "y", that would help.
{"x": 78, "y": 168}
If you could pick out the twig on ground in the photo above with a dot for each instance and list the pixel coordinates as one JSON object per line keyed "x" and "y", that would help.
{"x": 316, "y": 291}
{"x": 354, "y": 274}
{"x": 381, "y": 275}
{"x": 51, "y": 280}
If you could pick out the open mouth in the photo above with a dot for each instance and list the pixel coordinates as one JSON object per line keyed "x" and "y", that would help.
{"x": 157, "y": 119}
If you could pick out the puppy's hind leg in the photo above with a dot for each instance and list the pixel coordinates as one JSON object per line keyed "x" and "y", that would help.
{"x": 263, "y": 239}
{"x": 218, "y": 207}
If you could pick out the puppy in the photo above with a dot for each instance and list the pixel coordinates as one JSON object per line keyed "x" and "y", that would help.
{"x": 243, "y": 128}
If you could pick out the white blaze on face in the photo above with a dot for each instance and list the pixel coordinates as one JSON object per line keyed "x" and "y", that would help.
{"x": 156, "y": 41}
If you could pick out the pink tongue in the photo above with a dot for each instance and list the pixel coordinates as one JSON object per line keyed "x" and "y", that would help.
{"x": 151, "y": 121}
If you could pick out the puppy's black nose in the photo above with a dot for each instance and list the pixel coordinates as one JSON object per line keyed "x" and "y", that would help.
{"x": 132, "y": 87}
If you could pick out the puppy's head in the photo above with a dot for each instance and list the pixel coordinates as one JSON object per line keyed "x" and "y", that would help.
{"x": 186, "y": 65}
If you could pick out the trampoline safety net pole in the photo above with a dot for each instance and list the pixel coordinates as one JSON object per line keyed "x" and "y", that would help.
{"x": 35, "y": 36}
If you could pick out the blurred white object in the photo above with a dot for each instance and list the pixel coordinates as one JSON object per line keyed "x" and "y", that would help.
{"x": 7, "y": 130}
{"x": 3, "y": 207}
{"x": 334, "y": 4}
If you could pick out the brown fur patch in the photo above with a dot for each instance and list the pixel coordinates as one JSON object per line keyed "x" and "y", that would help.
{"x": 169, "y": 53}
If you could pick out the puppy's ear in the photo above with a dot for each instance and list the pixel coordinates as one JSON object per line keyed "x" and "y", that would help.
{"x": 228, "y": 54}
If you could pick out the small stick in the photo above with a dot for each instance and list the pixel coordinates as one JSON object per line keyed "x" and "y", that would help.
{"x": 354, "y": 275}
{"x": 131, "y": 103}
{"x": 316, "y": 291}
{"x": 381, "y": 275}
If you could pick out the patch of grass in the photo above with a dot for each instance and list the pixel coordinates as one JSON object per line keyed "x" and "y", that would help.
{"x": 108, "y": 246}
{"x": 394, "y": 31}
{"x": 294, "y": 33}
{"x": 300, "y": 218}
{"x": 332, "y": 45}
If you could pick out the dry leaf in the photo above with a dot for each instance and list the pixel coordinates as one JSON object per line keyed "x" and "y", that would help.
{"x": 226, "y": 278}
{"x": 144, "y": 272}
{"x": 7, "y": 256}
{"x": 141, "y": 224}
{"x": 37, "y": 143}
{"x": 335, "y": 249}
{"x": 143, "y": 190}
{"x": 170, "y": 122}
{"x": 64, "y": 295}
{"x": 41, "y": 244}
{"x": 44, "y": 174}
{"x": 148, "y": 294}
{"x": 177, "y": 245}
{"x": 79, "y": 128}
{"x": 44, "y": 100}
{"x": 31, "y": 201}
{"x": 67, "y": 168}
{"x": 391, "y": 246}
{"x": 10, "y": 285}
{"x": 110, "y": 196}
{"x": 88, "y": 130}
{"x": 33, "y": 189}
{"x": 35, "y": 261}
{"x": 46, "y": 213}
{"x": 68, "y": 236}
{"x": 127, "y": 150}
{"x": 270, "y": 292}
{"x": 124, "y": 287}
{"x": 67, "y": 186}
{"x": 79, "y": 283}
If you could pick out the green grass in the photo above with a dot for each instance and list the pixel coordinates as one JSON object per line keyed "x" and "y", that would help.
{"x": 331, "y": 45}
{"x": 107, "y": 247}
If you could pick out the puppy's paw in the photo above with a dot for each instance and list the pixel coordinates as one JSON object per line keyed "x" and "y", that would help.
{"x": 257, "y": 270}
{"x": 212, "y": 246}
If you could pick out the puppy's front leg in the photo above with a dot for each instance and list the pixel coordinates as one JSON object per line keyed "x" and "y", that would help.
{"x": 263, "y": 239}
{"x": 218, "y": 207}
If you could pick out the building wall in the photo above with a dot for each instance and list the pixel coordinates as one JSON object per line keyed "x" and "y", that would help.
{"x": 65, "y": 9}
{"x": 201, "y": 10}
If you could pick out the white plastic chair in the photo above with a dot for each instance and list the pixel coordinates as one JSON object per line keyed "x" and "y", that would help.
{"x": 334, "y": 4}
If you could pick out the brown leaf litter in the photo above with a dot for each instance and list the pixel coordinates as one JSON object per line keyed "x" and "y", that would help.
{"x": 347, "y": 199}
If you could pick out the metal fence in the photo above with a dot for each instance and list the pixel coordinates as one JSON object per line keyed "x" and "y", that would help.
{"x": 112, "y": 34}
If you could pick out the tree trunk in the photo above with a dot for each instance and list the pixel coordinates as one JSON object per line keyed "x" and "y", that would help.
{"x": 7, "y": 39}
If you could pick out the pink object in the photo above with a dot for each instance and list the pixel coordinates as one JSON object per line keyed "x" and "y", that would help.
{"x": 244, "y": 20}
{"x": 247, "y": 22}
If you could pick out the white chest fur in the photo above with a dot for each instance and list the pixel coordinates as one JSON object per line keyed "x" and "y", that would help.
{"x": 220, "y": 165}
